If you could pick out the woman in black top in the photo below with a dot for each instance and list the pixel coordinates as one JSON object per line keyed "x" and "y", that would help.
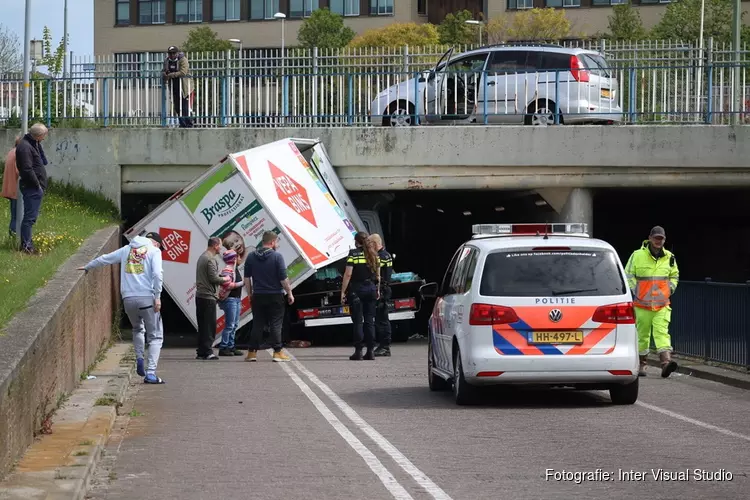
{"x": 361, "y": 290}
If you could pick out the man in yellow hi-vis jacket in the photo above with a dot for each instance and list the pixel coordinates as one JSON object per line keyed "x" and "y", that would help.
{"x": 653, "y": 275}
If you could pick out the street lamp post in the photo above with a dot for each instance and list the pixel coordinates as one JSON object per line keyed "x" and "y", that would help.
{"x": 282, "y": 16}
{"x": 736, "y": 28}
{"x": 479, "y": 23}
{"x": 65, "y": 40}
{"x": 25, "y": 104}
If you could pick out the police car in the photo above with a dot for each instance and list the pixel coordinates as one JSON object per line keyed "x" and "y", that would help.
{"x": 541, "y": 304}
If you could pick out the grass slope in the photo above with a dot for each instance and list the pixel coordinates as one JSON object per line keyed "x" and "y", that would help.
{"x": 68, "y": 216}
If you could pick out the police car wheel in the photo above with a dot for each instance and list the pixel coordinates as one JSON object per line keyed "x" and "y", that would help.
{"x": 436, "y": 382}
{"x": 463, "y": 392}
{"x": 624, "y": 394}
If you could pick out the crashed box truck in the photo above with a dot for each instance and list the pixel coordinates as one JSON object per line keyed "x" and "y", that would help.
{"x": 267, "y": 188}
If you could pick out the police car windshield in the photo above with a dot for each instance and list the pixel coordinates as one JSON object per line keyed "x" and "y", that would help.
{"x": 529, "y": 273}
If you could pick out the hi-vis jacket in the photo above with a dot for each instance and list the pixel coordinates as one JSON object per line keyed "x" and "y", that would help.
{"x": 652, "y": 280}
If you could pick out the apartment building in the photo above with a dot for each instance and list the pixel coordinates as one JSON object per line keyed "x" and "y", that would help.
{"x": 132, "y": 26}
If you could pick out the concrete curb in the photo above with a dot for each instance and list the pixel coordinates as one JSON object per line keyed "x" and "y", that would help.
{"x": 707, "y": 372}
{"x": 59, "y": 465}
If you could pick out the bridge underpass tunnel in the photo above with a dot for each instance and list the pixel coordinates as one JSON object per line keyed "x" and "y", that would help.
{"x": 708, "y": 229}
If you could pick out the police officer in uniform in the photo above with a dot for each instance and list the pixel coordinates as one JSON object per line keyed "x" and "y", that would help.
{"x": 382, "y": 323}
{"x": 360, "y": 289}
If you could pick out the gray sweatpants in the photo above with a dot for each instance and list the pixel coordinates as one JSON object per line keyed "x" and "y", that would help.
{"x": 140, "y": 311}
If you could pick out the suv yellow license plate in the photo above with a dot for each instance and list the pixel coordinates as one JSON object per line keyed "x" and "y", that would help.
{"x": 572, "y": 337}
{"x": 606, "y": 93}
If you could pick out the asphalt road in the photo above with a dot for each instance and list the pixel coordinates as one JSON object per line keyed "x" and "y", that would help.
{"x": 324, "y": 427}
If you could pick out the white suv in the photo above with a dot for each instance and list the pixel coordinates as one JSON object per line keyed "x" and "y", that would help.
{"x": 527, "y": 84}
{"x": 540, "y": 304}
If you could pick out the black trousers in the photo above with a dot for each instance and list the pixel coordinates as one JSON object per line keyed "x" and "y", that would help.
{"x": 382, "y": 323}
{"x": 205, "y": 312}
{"x": 268, "y": 311}
{"x": 362, "y": 302}
{"x": 181, "y": 106}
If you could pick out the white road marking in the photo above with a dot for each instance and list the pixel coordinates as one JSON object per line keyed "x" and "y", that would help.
{"x": 420, "y": 477}
{"x": 370, "y": 459}
{"x": 693, "y": 421}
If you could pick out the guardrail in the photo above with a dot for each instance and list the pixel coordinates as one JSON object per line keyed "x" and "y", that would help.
{"x": 711, "y": 321}
{"x": 631, "y": 95}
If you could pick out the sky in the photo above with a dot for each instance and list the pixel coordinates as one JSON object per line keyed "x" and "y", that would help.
{"x": 50, "y": 13}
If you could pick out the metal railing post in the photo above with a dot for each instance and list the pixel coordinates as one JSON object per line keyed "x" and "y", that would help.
{"x": 484, "y": 94}
{"x": 557, "y": 97}
{"x": 632, "y": 94}
{"x": 709, "y": 82}
{"x": 350, "y": 99}
{"x": 164, "y": 103}
{"x": 105, "y": 104}
{"x": 49, "y": 103}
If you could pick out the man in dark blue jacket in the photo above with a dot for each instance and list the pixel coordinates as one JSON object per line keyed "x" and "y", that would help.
{"x": 266, "y": 281}
{"x": 30, "y": 161}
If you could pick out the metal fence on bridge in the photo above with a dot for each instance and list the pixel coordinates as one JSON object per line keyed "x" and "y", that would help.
{"x": 657, "y": 82}
{"x": 711, "y": 321}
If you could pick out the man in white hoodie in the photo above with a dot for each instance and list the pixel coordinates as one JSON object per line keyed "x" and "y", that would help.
{"x": 141, "y": 279}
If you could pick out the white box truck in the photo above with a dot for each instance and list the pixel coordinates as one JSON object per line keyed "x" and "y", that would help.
{"x": 290, "y": 187}
{"x": 271, "y": 187}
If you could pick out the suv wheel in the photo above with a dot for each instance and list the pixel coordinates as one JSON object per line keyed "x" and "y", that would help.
{"x": 624, "y": 394}
{"x": 542, "y": 113}
{"x": 464, "y": 393}
{"x": 400, "y": 114}
{"x": 436, "y": 382}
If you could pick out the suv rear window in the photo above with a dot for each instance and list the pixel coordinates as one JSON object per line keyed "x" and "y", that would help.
{"x": 569, "y": 273}
{"x": 597, "y": 65}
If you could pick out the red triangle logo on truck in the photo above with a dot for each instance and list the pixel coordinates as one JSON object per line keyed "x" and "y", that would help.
{"x": 242, "y": 162}
{"x": 292, "y": 194}
{"x": 313, "y": 253}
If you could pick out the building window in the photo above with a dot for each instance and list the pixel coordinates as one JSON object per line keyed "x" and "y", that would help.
{"x": 422, "y": 7}
{"x": 152, "y": 11}
{"x": 263, "y": 9}
{"x": 520, "y": 4}
{"x": 302, "y": 8}
{"x": 122, "y": 8}
{"x": 345, "y": 7}
{"x": 188, "y": 11}
{"x": 608, "y": 2}
{"x": 655, "y": 1}
{"x": 563, "y": 3}
{"x": 381, "y": 7}
{"x": 226, "y": 10}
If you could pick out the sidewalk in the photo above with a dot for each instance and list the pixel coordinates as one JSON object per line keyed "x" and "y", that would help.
{"x": 59, "y": 463}
{"x": 699, "y": 369}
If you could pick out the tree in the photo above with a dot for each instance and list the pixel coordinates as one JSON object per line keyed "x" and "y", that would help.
{"x": 326, "y": 30}
{"x": 625, "y": 23}
{"x": 398, "y": 35}
{"x": 455, "y": 31}
{"x": 539, "y": 24}
{"x": 53, "y": 60}
{"x": 11, "y": 58}
{"x": 681, "y": 21}
{"x": 204, "y": 39}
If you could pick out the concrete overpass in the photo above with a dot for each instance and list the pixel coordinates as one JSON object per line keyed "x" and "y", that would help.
{"x": 555, "y": 161}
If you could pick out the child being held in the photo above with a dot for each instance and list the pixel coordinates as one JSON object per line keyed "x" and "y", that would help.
{"x": 230, "y": 259}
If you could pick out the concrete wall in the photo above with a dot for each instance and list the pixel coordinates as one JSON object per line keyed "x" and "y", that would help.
{"x": 45, "y": 348}
{"x": 374, "y": 158}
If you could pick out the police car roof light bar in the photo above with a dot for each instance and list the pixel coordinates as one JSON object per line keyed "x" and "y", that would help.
{"x": 533, "y": 229}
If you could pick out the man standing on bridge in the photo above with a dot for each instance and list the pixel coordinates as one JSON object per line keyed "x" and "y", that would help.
{"x": 653, "y": 275}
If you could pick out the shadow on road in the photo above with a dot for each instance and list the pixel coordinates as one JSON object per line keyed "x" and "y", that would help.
{"x": 412, "y": 398}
